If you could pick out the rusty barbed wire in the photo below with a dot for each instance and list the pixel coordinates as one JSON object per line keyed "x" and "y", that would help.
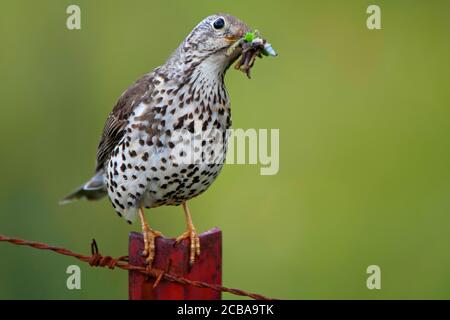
{"x": 97, "y": 260}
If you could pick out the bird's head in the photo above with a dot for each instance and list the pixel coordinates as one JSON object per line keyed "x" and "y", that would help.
{"x": 216, "y": 33}
{"x": 208, "y": 42}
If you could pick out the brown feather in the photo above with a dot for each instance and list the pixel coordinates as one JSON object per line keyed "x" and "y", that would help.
{"x": 117, "y": 120}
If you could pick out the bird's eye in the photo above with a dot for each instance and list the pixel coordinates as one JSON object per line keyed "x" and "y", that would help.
{"x": 219, "y": 23}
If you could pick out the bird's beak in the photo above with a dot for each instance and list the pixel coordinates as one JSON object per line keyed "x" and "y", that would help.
{"x": 235, "y": 36}
{"x": 232, "y": 39}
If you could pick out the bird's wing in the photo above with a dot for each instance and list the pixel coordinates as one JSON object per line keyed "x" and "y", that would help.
{"x": 117, "y": 120}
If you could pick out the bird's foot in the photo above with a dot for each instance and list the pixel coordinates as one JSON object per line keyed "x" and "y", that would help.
{"x": 194, "y": 251}
{"x": 149, "y": 244}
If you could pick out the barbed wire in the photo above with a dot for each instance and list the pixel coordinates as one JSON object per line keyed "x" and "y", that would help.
{"x": 97, "y": 260}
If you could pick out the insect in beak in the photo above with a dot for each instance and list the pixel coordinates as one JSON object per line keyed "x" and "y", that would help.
{"x": 252, "y": 46}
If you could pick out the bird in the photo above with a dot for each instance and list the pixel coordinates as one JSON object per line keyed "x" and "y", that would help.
{"x": 165, "y": 141}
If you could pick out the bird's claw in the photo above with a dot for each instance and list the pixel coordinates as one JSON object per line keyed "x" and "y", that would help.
{"x": 194, "y": 251}
{"x": 149, "y": 245}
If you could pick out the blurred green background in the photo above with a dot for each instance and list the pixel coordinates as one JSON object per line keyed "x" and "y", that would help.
{"x": 364, "y": 121}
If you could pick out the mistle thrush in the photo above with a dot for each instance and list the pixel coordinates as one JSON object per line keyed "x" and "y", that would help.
{"x": 165, "y": 140}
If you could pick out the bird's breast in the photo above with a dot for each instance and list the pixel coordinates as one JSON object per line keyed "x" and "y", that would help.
{"x": 174, "y": 145}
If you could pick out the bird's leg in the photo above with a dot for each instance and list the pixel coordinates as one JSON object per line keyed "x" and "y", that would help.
{"x": 191, "y": 234}
{"x": 149, "y": 239}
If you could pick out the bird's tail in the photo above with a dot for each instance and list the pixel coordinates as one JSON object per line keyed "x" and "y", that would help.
{"x": 94, "y": 189}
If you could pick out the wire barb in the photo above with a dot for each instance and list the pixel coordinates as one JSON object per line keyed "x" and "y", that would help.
{"x": 97, "y": 260}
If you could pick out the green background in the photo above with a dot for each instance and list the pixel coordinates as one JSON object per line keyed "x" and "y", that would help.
{"x": 364, "y": 121}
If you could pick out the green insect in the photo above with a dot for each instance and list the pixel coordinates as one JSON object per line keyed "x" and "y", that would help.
{"x": 247, "y": 38}
{"x": 250, "y": 36}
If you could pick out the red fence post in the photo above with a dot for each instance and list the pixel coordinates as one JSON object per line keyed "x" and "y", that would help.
{"x": 207, "y": 268}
